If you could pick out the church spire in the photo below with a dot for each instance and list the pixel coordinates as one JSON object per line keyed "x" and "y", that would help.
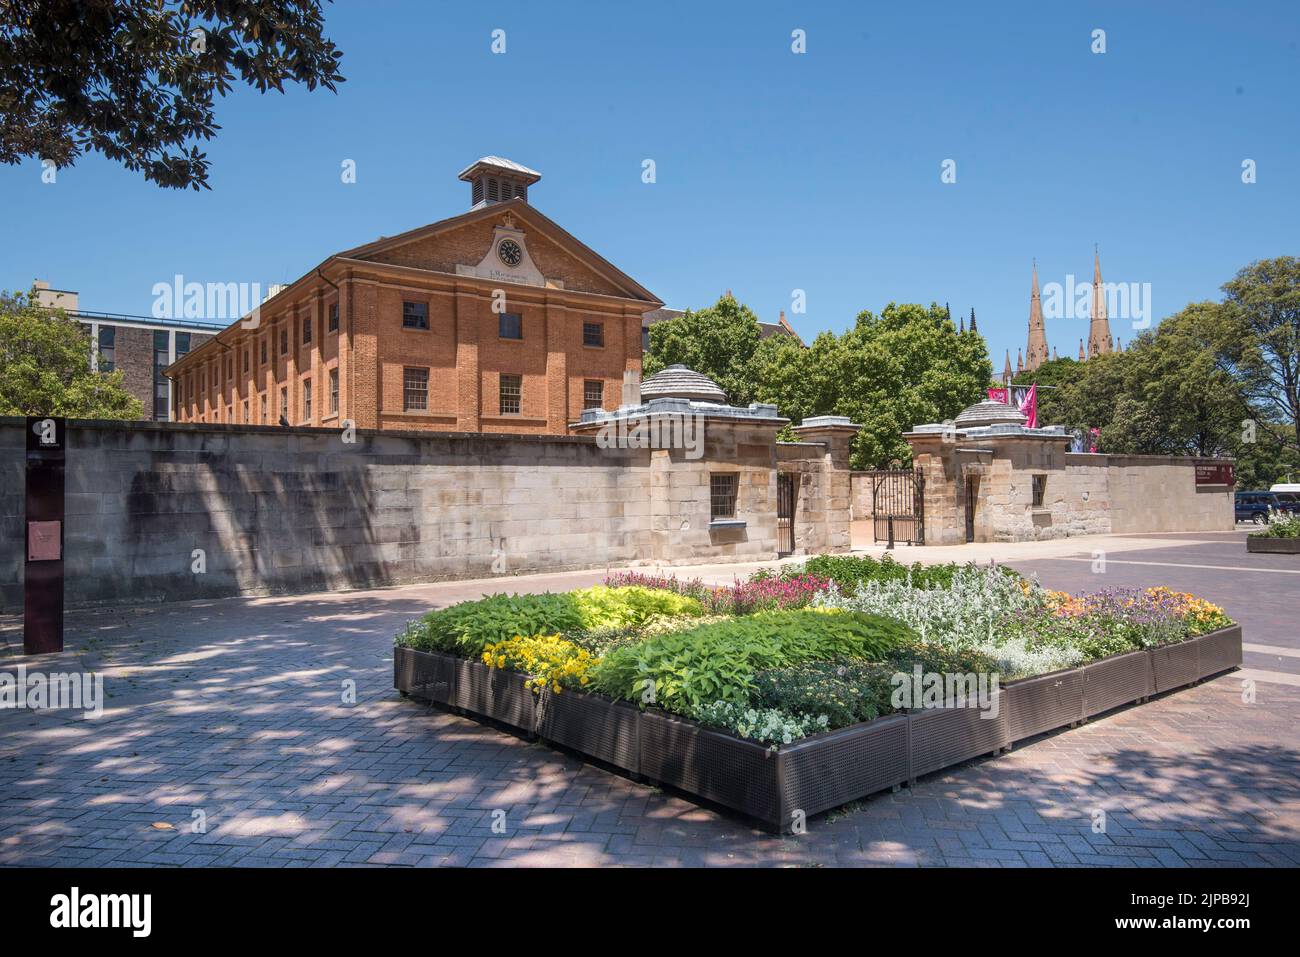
{"x": 1083, "y": 356}
{"x": 1099, "y": 338}
{"x": 973, "y": 327}
{"x": 1006, "y": 371}
{"x": 1036, "y": 352}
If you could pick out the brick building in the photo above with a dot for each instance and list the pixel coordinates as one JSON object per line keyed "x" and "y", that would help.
{"x": 140, "y": 346}
{"x": 496, "y": 320}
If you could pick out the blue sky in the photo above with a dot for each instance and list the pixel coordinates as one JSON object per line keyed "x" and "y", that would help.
{"x": 775, "y": 171}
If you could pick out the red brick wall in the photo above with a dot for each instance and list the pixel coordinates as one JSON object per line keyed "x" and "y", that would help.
{"x": 462, "y": 348}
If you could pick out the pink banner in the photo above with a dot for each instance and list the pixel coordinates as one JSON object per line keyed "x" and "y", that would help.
{"x": 998, "y": 395}
{"x": 1029, "y": 406}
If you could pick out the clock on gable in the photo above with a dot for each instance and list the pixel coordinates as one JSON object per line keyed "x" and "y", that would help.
{"x": 509, "y": 252}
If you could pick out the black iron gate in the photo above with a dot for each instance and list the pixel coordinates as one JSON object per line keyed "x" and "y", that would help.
{"x": 785, "y": 505}
{"x": 898, "y": 506}
{"x": 972, "y": 496}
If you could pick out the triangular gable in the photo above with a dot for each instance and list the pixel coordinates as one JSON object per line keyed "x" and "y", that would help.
{"x": 466, "y": 239}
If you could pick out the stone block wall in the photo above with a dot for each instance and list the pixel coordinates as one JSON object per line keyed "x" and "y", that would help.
{"x": 171, "y": 511}
{"x": 277, "y": 511}
{"x": 680, "y": 499}
{"x": 1084, "y": 494}
{"x": 1158, "y": 493}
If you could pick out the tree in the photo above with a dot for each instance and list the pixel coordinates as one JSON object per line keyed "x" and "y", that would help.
{"x": 718, "y": 341}
{"x": 135, "y": 79}
{"x": 1166, "y": 395}
{"x": 1052, "y": 376}
{"x": 906, "y": 367}
{"x": 45, "y": 366}
{"x": 1259, "y": 337}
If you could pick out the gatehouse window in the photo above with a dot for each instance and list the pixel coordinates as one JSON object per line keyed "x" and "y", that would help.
{"x": 722, "y": 495}
{"x": 1040, "y": 490}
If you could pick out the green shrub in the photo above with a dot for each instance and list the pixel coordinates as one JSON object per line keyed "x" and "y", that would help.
{"x": 849, "y": 692}
{"x": 938, "y": 658}
{"x": 685, "y": 670}
{"x": 464, "y": 629}
{"x": 845, "y": 693}
{"x": 848, "y": 571}
{"x": 1280, "y": 525}
{"x": 631, "y": 606}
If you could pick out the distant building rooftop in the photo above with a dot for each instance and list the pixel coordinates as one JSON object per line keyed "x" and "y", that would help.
{"x": 765, "y": 329}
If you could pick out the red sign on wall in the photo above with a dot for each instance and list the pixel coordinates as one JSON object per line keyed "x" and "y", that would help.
{"x": 44, "y": 541}
{"x": 1216, "y": 474}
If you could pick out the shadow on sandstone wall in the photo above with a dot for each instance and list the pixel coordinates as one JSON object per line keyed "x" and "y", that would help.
{"x": 199, "y": 516}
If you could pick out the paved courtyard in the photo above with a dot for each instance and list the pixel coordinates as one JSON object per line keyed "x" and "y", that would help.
{"x": 232, "y": 714}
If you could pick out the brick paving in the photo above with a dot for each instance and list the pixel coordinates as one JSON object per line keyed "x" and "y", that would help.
{"x": 234, "y": 709}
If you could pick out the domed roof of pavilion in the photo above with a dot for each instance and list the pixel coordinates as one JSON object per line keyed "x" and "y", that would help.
{"x": 679, "y": 382}
{"x": 989, "y": 412}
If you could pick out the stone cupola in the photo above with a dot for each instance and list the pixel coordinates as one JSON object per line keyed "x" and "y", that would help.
{"x": 679, "y": 382}
{"x": 989, "y": 412}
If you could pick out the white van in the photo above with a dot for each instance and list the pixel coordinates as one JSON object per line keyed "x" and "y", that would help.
{"x": 1288, "y": 495}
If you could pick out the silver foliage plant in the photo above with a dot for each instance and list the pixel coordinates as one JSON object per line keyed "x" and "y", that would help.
{"x": 964, "y": 616}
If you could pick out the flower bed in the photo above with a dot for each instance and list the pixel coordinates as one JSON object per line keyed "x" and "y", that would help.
{"x": 1282, "y": 537}
{"x": 792, "y": 709}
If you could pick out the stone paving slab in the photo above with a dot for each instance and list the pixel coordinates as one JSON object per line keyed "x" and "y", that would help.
{"x": 235, "y": 709}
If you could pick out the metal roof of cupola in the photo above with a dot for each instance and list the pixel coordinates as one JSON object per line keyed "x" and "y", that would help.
{"x": 495, "y": 179}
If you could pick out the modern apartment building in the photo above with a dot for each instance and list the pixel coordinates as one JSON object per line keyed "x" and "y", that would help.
{"x": 141, "y": 346}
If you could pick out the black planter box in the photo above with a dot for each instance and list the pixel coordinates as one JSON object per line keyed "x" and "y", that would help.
{"x": 1220, "y": 650}
{"x": 944, "y": 736}
{"x": 494, "y": 693}
{"x": 1273, "y": 546}
{"x": 423, "y": 675}
{"x": 718, "y": 767}
{"x": 823, "y": 771}
{"x": 1043, "y": 703}
{"x": 827, "y": 770}
{"x": 1116, "y": 681}
{"x": 1176, "y": 665}
{"x": 597, "y": 726}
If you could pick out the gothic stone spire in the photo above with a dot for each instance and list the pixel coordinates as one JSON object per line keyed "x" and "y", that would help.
{"x": 1036, "y": 353}
{"x": 1099, "y": 338}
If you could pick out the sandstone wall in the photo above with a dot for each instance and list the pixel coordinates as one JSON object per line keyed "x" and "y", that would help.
{"x": 1157, "y": 493}
{"x": 277, "y": 511}
{"x": 1084, "y": 494}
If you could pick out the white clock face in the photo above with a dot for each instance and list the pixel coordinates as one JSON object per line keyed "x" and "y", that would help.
{"x": 510, "y": 252}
